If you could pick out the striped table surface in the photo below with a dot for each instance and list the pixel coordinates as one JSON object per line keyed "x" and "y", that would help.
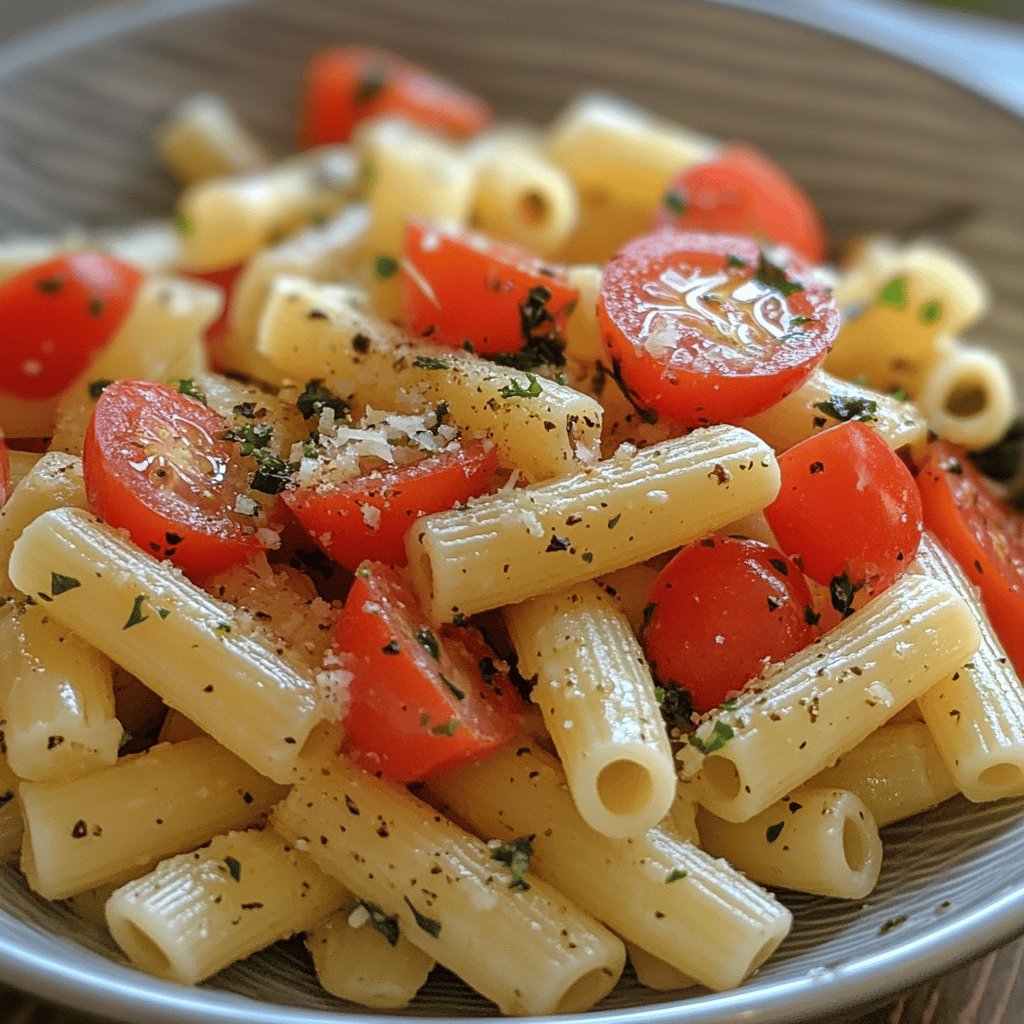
{"x": 880, "y": 144}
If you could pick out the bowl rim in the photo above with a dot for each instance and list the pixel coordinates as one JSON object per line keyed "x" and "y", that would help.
{"x": 117, "y": 990}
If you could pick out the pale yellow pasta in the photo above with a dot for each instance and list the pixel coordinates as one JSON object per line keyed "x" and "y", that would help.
{"x": 409, "y": 172}
{"x": 521, "y": 196}
{"x": 448, "y": 892}
{"x": 896, "y": 771}
{"x": 609, "y": 146}
{"x": 821, "y": 841}
{"x": 57, "y": 698}
{"x": 328, "y": 251}
{"x": 656, "y": 890}
{"x": 55, "y": 481}
{"x": 541, "y": 428}
{"x": 117, "y": 822}
{"x": 582, "y": 329}
{"x": 597, "y": 695}
{"x": 11, "y": 827}
{"x": 975, "y": 714}
{"x": 199, "y": 912}
{"x": 20, "y": 465}
{"x": 652, "y": 972}
{"x": 968, "y": 397}
{"x": 191, "y": 649}
{"x": 811, "y": 408}
{"x": 827, "y": 698}
{"x": 202, "y": 137}
{"x": 901, "y": 313}
{"x": 507, "y": 547}
{"x": 225, "y": 220}
{"x": 356, "y": 962}
{"x": 161, "y": 339}
{"x": 630, "y": 589}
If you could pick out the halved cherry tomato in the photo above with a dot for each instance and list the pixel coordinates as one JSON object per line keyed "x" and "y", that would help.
{"x": 848, "y": 510}
{"x": 5, "y": 472}
{"x": 983, "y": 533}
{"x": 742, "y": 192}
{"x": 156, "y": 464}
{"x": 347, "y": 84}
{"x": 57, "y": 316}
{"x": 368, "y": 517}
{"x": 459, "y": 286}
{"x": 419, "y": 701}
{"x": 707, "y": 329}
{"x": 721, "y": 610}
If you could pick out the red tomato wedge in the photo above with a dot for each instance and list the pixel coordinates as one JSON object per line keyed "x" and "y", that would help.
{"x": 459, "y": 286}
{"x": 57, "y": 316}
{"x": 156, "y": 464}
{"x": 5, "y": 472}
{"x": 983, "y": 533}
{"x": 368, "y": 517}
{"x": 848, "y": 510}
{"x": 743, "y": 192}
{"x": 419, "y": 701}
{"x": 719, "y": 611}
{"x": 348, "y": 84}
{"x": 707, "y": 329}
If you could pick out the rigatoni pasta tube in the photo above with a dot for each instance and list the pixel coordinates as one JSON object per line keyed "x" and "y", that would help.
{"x": 597, "y": 695}
{"x": 510, "y": 546}
{"x": 976, "y": 713}
{"x": 541, "y": 428}
{"x": 199, "y": 912}
{"x": 119, "y": 821}
{"x": 355, "y": 961}
{"x": 896, "y": 771}
{"x": 58, "y": 702}
{"x": 655, "y": 890}
{"x": 822, "y": 401}
{"x": 186, "y": 646}
{"x": 448, "y": 893}
{"x": 828, "y": 697}
{"x": 821, "y": 841}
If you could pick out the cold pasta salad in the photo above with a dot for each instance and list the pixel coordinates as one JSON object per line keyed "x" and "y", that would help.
{"x": 508, "y": 548}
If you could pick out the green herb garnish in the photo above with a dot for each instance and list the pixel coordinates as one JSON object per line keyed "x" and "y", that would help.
{"x": 845, "y": 409}
{"x": 385, "y": 924}
{"x": 719, "y": 736}
{"x": 516, "y": 390}
{"x": 516, "y": 853}
{"x": 61, "y": 584}
{"x": 136, "y": 615}
{"x": 187, "y": 386}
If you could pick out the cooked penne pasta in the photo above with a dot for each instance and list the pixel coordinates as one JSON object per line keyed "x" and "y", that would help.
{"x": 897, "y": 772}
{"x": 597, "y": 695}
{"x": 199, "y": 912}
{"x": 508, "y": 547}
{"x": 20, "y": 464}
{"x": 821, "y": 841}
{"x": 542, "y": 428}
{"x": 355, "y": 960}
{"x": 656, "y": 890}
{"x": 57, "y": 698}
{"x": 830, "y": 696}
{"x": 629, "y": 589}
{"x": 202, "y": 137}
{"x": 975, "y": 714}
{"x": 387, "y": 846}
{"x": 189, "y": 648}
{"x": 117, "y": 822}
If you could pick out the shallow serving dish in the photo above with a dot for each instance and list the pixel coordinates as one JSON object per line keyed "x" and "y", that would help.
{"x": 880, "y": 144}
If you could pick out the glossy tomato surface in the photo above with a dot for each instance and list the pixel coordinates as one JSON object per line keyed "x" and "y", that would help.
{"x": 156, "y": 464}
{"x": 707, "y": 328}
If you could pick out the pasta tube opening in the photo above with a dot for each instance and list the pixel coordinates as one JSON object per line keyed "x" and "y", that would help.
{"x": 142, "y": 948}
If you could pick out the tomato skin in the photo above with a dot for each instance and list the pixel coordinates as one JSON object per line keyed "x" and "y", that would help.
{"x": 477, "y": 289}
{"x": 403, "y": 720}
{"x": 347, "y": 84}
{"x": 57, "y": 316}
{"x": 718, "y": 610}
{"x": 401, "y": 495}
{"x": 698, "y": 337}
{"x": 742, "y": 192}
{"x": 847, "y": 505}
{"x": 983, "y": 533}
{"x": 155, "y": 463}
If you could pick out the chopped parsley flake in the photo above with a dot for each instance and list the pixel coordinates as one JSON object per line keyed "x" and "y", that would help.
{"x": 429, "y": 363}
{"x": 385, "y": 266}
{"x": 516, "y": 390}
{"x": 428, "y": 642}
{"x": 183, "y": 224}
{"x": 676, "y": 203}
{"x": 719, "y": 736}
{"x": 97, "y": 387}
{"x": 440, "y": 415}
{"x": 126, "y": 738}
{"x": 675, "y": 704}
{"x": 542, "y": 343}
{"x": 676, "y": 875}
{"x": 187, "y": 386}
{"x": 234, "y": 868}
{"x": 316, "y": 397}
{"x": 772, "y": 832}
{"x": 931, "y": 312}
{"x": 445, "y": 728}
{"x": 614, "y": 521}
{"x": 842, "y": 591}
{"x": 385, "y": 924}
{"x": 251, "y": 436}
{"x": 456, "y": 692}
{"x": 50, "y": 285}
{"x": 732, "y": 260}
{"x": 370, "y": 85}
{"x": 61, "y": 584}
{"x": 894, "y": 293}
{"x": 773, "y": 276}
{"x": 516, "y": 853}
{"x": 845, "y": 409}
{"x": 136, "y": 615}
{"x": 273, "y": 474}
{"x": 96, "y": 306}
{"x": 428, "y": 924}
